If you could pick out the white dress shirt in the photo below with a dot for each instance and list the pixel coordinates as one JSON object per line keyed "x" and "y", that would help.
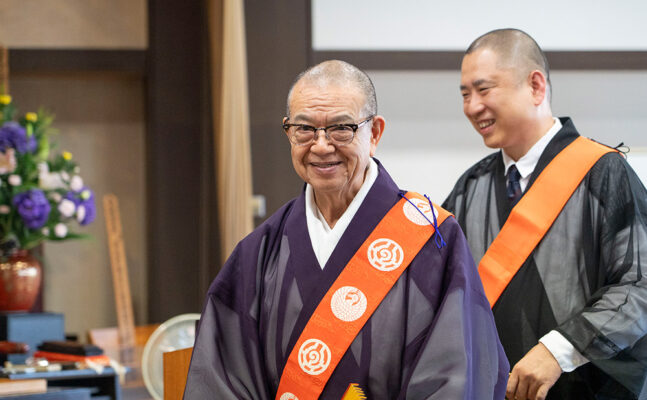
{"x": 323, "y": 238}
{"x": 526, "y": 164}
{"x": 566, "y": 355}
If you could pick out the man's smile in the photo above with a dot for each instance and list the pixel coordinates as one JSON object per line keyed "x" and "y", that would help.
{"x": 485, "y": 123}
{"x": 325, "y": 166}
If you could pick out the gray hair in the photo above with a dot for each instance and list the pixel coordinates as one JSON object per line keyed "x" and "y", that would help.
{"x": 338, "y": 73}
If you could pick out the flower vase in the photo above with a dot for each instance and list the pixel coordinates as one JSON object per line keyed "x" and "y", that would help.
{"x": 20, "y": 278}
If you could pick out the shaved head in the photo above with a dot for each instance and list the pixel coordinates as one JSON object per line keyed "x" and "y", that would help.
{"x": 515, "y": 49}
{"x": 338, "y": 73}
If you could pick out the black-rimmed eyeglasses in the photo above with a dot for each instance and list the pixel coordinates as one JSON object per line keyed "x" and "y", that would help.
{"x": 338, "y": 134}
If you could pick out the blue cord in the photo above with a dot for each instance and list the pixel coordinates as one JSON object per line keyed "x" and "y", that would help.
{"x": 440, "y": 242}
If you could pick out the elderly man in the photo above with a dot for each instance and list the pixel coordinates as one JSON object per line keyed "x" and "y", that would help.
{"x": 561, "y": 244}
{"x": 355, "y": 288}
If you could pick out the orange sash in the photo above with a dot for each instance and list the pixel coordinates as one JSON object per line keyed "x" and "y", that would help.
{"x": 353, "y": 297}
{"x": 534, "y": 214}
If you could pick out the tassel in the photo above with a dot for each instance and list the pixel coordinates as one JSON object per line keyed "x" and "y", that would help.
{"x": 440, "y": 242}
{"x": 438, "y": 235}
{"x": 354, "y": 392}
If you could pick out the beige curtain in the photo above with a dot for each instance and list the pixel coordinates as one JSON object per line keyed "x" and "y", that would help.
{"x": 231, "y": 121}
{"x": 4, "y": 70}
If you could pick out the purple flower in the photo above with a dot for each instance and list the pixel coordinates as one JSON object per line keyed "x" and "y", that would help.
{"x": 12, "y": 135}
{"x": 86, "y": 209}
{"x": 33, "y": 207}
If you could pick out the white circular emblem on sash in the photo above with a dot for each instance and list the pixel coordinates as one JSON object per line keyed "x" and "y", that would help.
{"x": 385, "y": 254}
{"x": 412, "y": 213}
{"x": 314, "y": 356}
{"x": 288, "y": 396}
{"x": 348, "y": 303}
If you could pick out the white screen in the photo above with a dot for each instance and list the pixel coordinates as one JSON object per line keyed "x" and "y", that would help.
{"x": 452, "y": 25}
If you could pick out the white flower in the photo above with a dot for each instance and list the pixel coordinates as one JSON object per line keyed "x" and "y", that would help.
{"x": 66, "y": 207}
{"x": 65, "y": 176}
{"x": 56, "y": 197}
{"x": 47, "y": 180}
{"x": 43, "y": 168}
{"x": 5, "y": 209}
{"x": 50, "y": 181}
{"x": 45, "y": 231}
{"x": 15, "y": 180}
{"x": 7, "y": 161}
{"x": 80, "y": 213}
{"x": 60, "y": 230}
{"x": 76, "y": 183}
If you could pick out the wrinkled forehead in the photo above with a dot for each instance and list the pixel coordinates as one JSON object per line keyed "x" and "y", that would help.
{"x": 315, "y": 96}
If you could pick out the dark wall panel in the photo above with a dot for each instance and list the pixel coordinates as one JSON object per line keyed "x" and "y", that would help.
{"x": 178, "y": 143}
{"x": 278, "y": 45}
{"x": 451, "y": 60}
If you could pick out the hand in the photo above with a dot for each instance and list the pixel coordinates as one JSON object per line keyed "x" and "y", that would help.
{"x": 533, "y": 375}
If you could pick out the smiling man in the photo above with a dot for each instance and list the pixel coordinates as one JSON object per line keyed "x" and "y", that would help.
{"x": 355, "y": 288}
{"x": 558, "y": 225}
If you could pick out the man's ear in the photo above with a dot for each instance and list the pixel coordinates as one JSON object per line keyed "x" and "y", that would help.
{"x": 538, "y": 86}
{"x": 285, "y": 119}
{"x": 377, "y": 128}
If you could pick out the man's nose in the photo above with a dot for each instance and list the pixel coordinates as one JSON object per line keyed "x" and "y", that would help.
{"x": 473, "y": 106}
{"x": 321, "y": 142}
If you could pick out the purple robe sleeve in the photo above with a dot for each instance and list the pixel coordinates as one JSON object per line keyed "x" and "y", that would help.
{"x": 462, "y": 357}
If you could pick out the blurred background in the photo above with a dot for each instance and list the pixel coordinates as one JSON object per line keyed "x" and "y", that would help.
{"x": 175, "y": 107}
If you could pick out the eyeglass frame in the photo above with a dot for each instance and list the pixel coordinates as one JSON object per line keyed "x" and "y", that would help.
{"x": 316, "y": 130}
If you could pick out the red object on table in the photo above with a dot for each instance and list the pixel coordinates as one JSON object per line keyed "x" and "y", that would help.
{"x": 7, "y": 347}
{"x": 51, "y": 356}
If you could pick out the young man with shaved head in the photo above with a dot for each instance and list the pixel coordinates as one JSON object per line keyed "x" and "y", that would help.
{"x": 355, "y": 289}
{"x": 558, "y": 226}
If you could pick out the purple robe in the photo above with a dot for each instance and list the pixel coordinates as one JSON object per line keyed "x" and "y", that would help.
{"x": 432, "y": 337}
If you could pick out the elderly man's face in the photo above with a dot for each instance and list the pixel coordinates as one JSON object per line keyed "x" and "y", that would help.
{"x": 332, "y": 170}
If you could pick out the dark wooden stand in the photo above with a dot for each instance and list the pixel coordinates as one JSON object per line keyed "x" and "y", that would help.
{"x": 89, "y": 384}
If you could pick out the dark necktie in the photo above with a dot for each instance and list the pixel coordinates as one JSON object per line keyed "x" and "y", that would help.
{"x": 514, "y": 188}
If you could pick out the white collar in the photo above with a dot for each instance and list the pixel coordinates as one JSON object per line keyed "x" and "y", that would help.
{"x": 323, "y": 238}
{"x": 526, "y": 164}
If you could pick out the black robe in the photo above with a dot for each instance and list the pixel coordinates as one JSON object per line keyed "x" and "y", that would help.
{"x": 584, "y": 278}
{"x": 432, "y": 337}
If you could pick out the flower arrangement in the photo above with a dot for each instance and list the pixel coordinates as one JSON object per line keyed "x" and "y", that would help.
{"x": 41, "y": 193}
